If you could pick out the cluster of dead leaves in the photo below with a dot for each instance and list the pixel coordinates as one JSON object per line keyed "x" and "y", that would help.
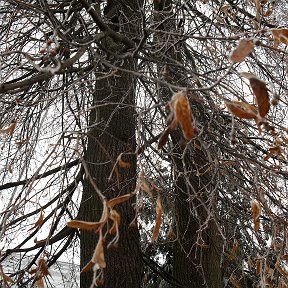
{"x": 180, "y": 115}
{"x": 109, "y": 213}
{"x": 40, "y": 273}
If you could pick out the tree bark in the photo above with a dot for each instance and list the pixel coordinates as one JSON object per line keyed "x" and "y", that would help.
{"x": 113, "y": 133}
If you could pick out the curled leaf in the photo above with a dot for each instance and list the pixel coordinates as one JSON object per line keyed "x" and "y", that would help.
{"x": 274, "y": 151}
{"x": 280, "y": 35}
{"x": 158, "y": 218}
{"x": 256, "y": 212}
{"x": 10, "y": 129}
{"x": 259, "y": 263}
{"x": 42, "y": 266}
{"x": 39, "y": 222}
{"x": 84, "y": 224}
{"x": 98, "y": 256}
{"x": 87, "y": 267}
{"x": 241, "y": 109}
{"x": 243, "y": 49}
{"x": 115, "y": 216}
{"x": 118, "y": 200}
{"x": 182, "y": 113}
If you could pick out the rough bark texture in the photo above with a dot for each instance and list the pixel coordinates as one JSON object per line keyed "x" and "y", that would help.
{"x": 113, "y": 133}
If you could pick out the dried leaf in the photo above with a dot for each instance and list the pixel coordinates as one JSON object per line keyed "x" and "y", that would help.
{"x": 144, "y": 185}
{"x": 259, "y": 263}
{"x": 98, "y": 256}
{"x": 21, "y": 142}
{"x": 256, "y": 212}
{"x": 258, "y": 10}
{"x": 274, "y": 151}
{"x": 40, "y": 283}
{"x": 118, "y": 200}
{"x": 42, "y": 266}
{"x": 241, "y": 109}
{"x": 280, "y": 35}
{"x": 235, "y": 282}
{"x": 182, "y": 112}
{"x": 243, "y": 49}
{"x": 158, "y": 219}
{"x": 39, "y": 222}
{"x": 233, "y": 250}
{"x": 5, "y": 277}
{"x": 123, "y": 164}
{"x": 84, "y": 224}
{"x": 87, "y": 267}
{"x": 164, "y": 137}
{"x": 10, "y": 129}
{"x": 115, "y": 216}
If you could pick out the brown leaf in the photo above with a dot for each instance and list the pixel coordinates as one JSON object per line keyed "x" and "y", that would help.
{"x": 10, "y": 129}
{"x": 87, "y": 267}
{"x": 123, "y": 164}
{"x": 21, "y": 142}
{"x": 233, "y": 250}
{"x": 98, "y": 256}
{"x": 241, "y": 109}
{"x": 115, "y": 216}
{"x": 280, "y": 35}
{"x": 164, "y": 137}
{"x": 243, "y": 49}
{"x": 39, "y": 222}
{"x": 158, "y": 219}
{"x": 84, "y": 224}
{"x": 274, "y": 151}
{"x": 144, "y": 185}
{"x": 40, "y": 283}
{"x": 235, "y": 282}
{"x": 42, "y": 266}
{"x": 258, "y": 10}
{"x": 259, "y": 263}
{"x": 118, "y": 200}
{"x": 182, "y": 112}
{"x": 5, "y": 277}
{"x": 256, "y": 212}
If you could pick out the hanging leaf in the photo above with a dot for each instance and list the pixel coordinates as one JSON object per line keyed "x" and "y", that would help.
{"x": 182, "y": 112}
{"x": 243, "y": 49}
{"x": 39, "y": 222}
{"x": 10, "y": 129}
{"x": 233, "y": 250}
{"x": 118, "y": 200}
{"x": 98, "y": 256}
{"x": 280, "y": 35}
{"x": 258, "y": 10}
{"x": 259, "y": 263}
{"x": 84, "y": 224}
{"x": 5, "y": 277}
{"x": 274, "y": 151}
{"x": 261, "y": 93}
{"x": 144, "y": 185}
{"x": 235, "y": 282}
{"x": 122, "y": 163}
{"x": 158, "y": 219}
{"x": 241, "y": 109}
{"x": 256, "y": 212}
{"x": 87, "y": 267}
{"x": 164, "y": 137}
{"x": 21, "y": 142}
{"x": 39, "y": 283}
{"x": 42, "y": 266}
{"x": 116, "y": 218}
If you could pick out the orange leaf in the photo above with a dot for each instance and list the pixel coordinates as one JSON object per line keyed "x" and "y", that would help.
{"x": 98, "y": 256}
{"x": 40, "y": 283}
{"x": 182, "y": 112}
{"x": 235, "y": 282}
{"x": 39, "y": 222}
{"x": 84, "y": 224}
{"x": 244, "y": 48}
{"x": 87, "y": 267}
{"x": 164, "y": 137}
{"x": 256, "y": 212}
{"x": 241, "y": 109}
{"x": 158, "y": 219}
{"x": 10, "y": 129}
{"x": 118, "y": 200}
{"x": 280, "y": 35}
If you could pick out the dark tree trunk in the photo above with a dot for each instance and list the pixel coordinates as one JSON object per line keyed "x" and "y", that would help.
{"x": 112, "y": 133}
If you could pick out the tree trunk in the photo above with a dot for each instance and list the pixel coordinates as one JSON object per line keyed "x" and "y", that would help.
{"x": 113, "y": 133}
